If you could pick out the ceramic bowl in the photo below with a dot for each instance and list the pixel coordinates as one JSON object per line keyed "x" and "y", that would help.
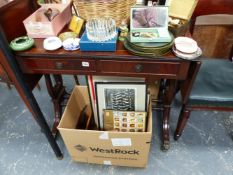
{"x": 22, "y": 43}
{"x": 52, "y": 43}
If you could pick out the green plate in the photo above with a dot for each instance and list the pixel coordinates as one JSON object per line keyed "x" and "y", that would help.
{"x": 145, "y": 54}
{"x": 149, "y": 47}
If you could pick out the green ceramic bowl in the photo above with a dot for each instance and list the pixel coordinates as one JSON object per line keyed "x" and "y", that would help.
{"x": 22, "y": 43}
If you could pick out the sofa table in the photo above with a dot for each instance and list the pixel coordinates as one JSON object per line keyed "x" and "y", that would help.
{"x": 119, "y": 63}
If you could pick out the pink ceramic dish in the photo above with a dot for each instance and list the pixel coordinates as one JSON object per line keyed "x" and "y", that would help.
{"x": 185, "y": 45}
{"x": 187, "y": 56}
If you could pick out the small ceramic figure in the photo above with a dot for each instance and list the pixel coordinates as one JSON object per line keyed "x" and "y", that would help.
{"x": 123, "y": 30}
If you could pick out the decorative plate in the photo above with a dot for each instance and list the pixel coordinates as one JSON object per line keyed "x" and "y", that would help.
{"x": 71, "y": 44}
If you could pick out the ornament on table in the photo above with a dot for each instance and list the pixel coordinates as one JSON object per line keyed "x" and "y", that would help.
{"x": 123, "y": 30}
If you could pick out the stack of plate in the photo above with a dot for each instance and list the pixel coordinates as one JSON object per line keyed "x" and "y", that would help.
{"x": 186, "y": 48}
{"x": 149, "y": 49}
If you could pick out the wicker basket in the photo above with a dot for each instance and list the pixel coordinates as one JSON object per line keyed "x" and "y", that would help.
{"x": 116, "y": 9}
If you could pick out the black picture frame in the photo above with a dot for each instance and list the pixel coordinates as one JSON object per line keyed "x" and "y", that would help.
{"x": 137, "y": 95}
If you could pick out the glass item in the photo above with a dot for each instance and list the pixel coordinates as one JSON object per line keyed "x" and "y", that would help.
{"x": 101, "y": 29}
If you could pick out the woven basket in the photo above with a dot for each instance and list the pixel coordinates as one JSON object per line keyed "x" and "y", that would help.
{"x": 116, "y": 9}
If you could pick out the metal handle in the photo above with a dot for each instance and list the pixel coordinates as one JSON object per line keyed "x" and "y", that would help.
{"x": 138, "y": 67}
{"x": 59, "y": 65}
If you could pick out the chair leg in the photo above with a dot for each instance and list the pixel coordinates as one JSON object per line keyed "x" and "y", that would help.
{"x": 183, "y": 118}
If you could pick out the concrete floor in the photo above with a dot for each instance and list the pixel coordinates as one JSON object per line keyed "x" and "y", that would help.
{"x": 206, "y": 146}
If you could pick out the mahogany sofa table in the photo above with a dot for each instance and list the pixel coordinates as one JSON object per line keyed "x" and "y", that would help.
{"x": 119, "y": 63}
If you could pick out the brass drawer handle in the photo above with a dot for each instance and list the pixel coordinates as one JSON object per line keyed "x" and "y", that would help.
{"x": 138, "y": 68}
{"x": 59, "y": 65}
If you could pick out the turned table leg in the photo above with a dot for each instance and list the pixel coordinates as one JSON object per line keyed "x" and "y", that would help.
{"x": 166, "y": 116}
{"x": 168, "y": 97}
{"x": 56, "y": 92}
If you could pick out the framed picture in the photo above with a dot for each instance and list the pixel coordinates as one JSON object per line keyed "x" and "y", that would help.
{"x": 120, "y": 96}
{"x": 148, "y": 18}
{"x": 93, "y": 79}
{"x": 149, "y": 24}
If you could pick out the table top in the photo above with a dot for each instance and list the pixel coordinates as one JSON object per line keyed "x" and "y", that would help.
{"x": 121, "y": 52}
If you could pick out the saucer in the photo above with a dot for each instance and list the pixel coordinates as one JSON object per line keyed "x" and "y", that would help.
{"x": 52, "y": 43}
{"x": 186, "y": 45}
{"x": 71, "y": 44}
{"x": 186, "y": 56}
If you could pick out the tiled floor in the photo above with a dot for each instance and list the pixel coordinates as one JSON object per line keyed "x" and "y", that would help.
{"x": 206, "y": 146}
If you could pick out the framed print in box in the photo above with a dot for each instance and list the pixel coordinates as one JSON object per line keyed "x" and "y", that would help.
{"x": 120, "y": 96}
{"x": 93, "y": 79}
{"x": 149, "y": 24}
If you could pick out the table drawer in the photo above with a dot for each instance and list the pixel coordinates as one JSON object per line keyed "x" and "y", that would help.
{"x": 40, "y": 65}
{"x": 145, "y": 68}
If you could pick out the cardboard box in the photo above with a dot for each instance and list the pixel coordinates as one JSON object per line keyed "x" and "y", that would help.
{"x": 88, "y": 45}
{"x": 181, "y": 10}
{"x": 52, "y": 28}
{"x": 102, "y": 147}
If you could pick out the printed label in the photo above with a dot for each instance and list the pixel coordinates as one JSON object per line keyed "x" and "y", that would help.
{"x": 85, "y": 64}
{"x": 104, "y": 136}
{"x": 107, "y": 162}
{"x": 121, "y": 142}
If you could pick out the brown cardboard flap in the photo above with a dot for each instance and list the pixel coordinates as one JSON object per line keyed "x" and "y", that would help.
{"x": 75, "y": 104}
{"x": 182, "y": 9}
